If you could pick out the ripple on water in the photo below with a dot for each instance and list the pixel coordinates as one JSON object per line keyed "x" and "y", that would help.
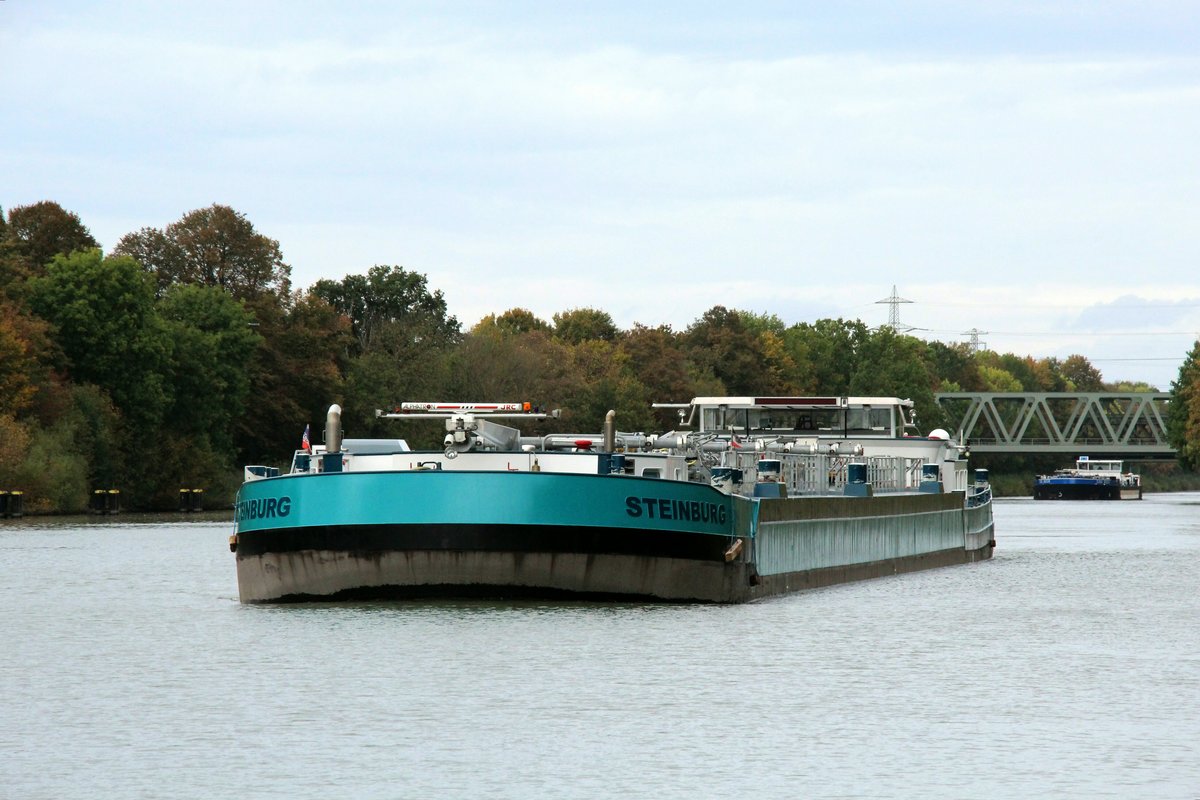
{"x": 1067, "y": 666}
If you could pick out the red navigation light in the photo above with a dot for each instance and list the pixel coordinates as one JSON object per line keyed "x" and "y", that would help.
{"x": 583, "y": 444}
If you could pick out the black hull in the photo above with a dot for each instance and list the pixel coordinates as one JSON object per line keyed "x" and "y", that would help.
{"x": 1075, "y": 491}
{"x": 367, "y": 539}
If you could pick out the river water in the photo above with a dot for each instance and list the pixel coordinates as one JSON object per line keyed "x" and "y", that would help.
{"x": 1068, "y": 666}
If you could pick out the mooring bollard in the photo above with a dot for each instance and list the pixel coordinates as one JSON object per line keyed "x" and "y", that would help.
{"x": 105, "y": 501}
{"x": 191, "y": 500}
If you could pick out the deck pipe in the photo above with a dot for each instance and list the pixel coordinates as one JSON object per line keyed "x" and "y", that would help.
{"x": 610, "y": 431}
{"x": 332, "y": 460}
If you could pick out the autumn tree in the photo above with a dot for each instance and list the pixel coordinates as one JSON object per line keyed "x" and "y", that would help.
{"x": 1082, "y": 374}
{"x": 214, "y": 246}
{"x": 25, "y": 356}
{"x": 37, "y": 233}
{"x": 496, "y": 363}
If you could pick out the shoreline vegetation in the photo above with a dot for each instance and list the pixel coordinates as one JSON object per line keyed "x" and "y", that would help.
{"x": 1161, "y": 478}
{"x": 185, "y": 352}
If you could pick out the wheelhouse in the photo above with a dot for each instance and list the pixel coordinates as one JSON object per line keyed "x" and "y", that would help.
{"x": 834, "y": 417}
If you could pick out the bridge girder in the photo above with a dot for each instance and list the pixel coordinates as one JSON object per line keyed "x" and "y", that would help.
{"x": 1115, "y": 424}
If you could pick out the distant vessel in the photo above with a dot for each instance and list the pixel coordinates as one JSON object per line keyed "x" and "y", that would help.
{"x": 1091, "y": 479}
{"x": 759, "y": 496}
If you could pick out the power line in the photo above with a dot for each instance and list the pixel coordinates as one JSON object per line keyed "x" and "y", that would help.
{"x": 1069, "y": 333}
{"x": 1154, "y": 358}
{"x": 1100, "y": 305}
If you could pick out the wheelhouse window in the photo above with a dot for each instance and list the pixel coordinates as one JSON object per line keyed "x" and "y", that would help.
{"x": 815, "y": 421}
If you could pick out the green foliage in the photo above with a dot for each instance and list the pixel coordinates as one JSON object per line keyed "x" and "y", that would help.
{"x": 54, "y": 476}
{"x": 1183, "y": 414}
{"x": 953, "y": 367}
{"x": 212, "y": 344}
{"x": 391, "y": 309}
{"x": 829, "y": 349}
{"x": 402, "y": 337}
{"x": 758, "y": 324}
{"x": 106, "y": 326}
{"x": 721, "y": 345}
{"x": 97, "y": 433}
{"x": 604, "y": 381}
{"x": 1130, "y": 386}
{"x": 997, "y": 379}
{"x": 56, "y": 464}
{"x": 514, "y": 322}
{"x": 295, "y": 373}
{"x": 893, "y": 365}
{"x": 584, "y": 325}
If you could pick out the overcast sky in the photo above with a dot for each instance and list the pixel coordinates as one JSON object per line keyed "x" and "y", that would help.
{"x": 1023, "y": 168}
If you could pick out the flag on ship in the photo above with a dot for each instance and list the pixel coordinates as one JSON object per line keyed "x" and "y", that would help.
{"x": 304, "y": 441}
{"x": 734, "y": 443}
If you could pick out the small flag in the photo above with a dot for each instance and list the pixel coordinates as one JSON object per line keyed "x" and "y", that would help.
{"x": 734, "y": 443}
{"x": 304, "y": 442}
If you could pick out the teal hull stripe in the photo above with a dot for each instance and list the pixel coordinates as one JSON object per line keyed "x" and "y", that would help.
{"x": 495, "y": 498}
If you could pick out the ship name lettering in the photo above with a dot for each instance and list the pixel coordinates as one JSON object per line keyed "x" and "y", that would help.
{"x": 669, "y": 508}
{"x": 265, "y": 508}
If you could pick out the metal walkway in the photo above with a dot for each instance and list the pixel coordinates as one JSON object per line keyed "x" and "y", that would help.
{"x": 1118, "y": 425}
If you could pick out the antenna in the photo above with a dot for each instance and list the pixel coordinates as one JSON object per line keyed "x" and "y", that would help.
{"x": 894, "y": 300}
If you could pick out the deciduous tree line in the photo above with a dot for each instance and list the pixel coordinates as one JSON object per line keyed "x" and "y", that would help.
{"x": 185, "y": 352}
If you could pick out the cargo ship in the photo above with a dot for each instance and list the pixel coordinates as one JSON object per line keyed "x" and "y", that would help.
{"x": 1091, "y": 479}
{"x": 749, "y": 497}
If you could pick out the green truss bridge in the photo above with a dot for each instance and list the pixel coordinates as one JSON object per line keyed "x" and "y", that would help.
{"x": 1099, "y": 424}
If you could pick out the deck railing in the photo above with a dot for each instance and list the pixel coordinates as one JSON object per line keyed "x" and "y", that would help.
{"x": 821, "y": 474}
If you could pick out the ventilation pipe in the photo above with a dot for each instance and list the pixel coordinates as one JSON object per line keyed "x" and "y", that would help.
{"x": 333, "y": 429}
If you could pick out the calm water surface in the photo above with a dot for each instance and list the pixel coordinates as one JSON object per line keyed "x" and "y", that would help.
{"x": 1068, "y": 666}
